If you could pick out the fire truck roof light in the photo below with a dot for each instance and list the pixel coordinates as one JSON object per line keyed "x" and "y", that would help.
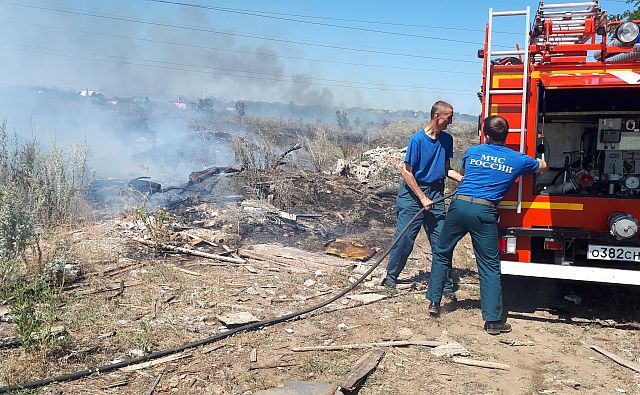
{"x": 627, "y": 32}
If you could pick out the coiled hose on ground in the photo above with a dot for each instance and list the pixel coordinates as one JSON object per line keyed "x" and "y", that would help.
{"x": 220, "y": 336}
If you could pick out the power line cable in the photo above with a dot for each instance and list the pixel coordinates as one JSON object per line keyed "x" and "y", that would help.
{"x": 330, "y": 43}
{"x": 293, "y": 77}
{"x": 182, "y": 44}
{"x": 242, "y": 12}
{"x": 235, "y": 75}
{"x": 456, "y": 28}
{"x": 199, "y": 29}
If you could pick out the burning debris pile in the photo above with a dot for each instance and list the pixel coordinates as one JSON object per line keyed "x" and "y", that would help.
{"x": 295, "y": 208}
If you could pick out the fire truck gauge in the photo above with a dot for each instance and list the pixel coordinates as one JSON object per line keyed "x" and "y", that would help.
{"x": 632, "y": 182}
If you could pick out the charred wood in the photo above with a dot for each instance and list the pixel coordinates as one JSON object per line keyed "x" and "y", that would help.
{"x": 280, "y": 159}
{"x": 188, "y": 251}
{"x": 199, "y": 176}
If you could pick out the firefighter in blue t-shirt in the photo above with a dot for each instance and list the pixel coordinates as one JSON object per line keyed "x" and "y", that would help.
{"x": 489, "y": 171}
{"x": 426, "y": 164}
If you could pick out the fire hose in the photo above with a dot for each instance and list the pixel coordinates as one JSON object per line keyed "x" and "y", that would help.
{"x": 220, "y": 336}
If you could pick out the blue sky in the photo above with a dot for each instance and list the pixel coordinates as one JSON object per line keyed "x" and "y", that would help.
{"x": 134, "y": 47}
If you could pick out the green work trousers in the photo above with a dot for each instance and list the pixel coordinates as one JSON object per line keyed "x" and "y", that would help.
{"x": 481, "y": 222}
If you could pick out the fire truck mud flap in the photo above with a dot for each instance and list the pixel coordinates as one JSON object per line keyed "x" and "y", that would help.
{"x": 578, "y": 273}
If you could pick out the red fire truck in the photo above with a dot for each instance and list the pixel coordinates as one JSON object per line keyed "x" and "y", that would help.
{"x": 572, "y": 98}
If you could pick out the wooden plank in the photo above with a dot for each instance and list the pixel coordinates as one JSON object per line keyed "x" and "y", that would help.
{"x": 153, "y": 386}
{"x": 120, "y": 383}
{"x": 109, "y": 289}
{"x": 264, "y": 258}
{"x": 298, "y": 256}
{"x": 481, "y": 364}
{"x": 143, "y": 365}
{"x": 397, "y": 343}
{"x": 191, "y": 272}
{"x": 361, "y": 370}
{"x": 273, "y": 365}
{"x": 624, "y": 362}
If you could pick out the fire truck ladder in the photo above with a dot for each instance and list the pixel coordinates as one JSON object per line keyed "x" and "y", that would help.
{"x": 489, "y": 91}
{"x": 568, "y": 21}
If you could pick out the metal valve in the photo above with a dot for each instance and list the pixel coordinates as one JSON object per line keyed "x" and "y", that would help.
{"x": 622, "y": 226}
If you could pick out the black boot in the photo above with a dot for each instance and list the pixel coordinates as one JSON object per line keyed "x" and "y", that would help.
{"x": 434, "y": 309}
{"x": 496, "y": 327}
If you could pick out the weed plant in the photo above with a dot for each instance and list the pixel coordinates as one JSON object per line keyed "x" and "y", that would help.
{"x": 157, "y": 223}
{"x": 34, "y": 304}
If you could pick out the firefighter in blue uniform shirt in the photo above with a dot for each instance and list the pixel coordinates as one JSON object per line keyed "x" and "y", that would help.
{"x": 489, "y": 171}
{"x": 426, "y": 164}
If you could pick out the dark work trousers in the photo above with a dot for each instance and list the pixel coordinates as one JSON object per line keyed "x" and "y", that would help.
{"x": 481, "y": 222}
{"x": 407, "y": 205}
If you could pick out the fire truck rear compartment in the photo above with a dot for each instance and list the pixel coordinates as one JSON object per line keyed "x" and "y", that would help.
{"x": 591, "y": 140}
{"x": 575, "y": 253}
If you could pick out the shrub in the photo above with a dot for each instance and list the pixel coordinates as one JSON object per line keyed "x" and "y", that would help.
{"x": 323, "y": 150}
{"x": 254, "y": 155}
{"x": 49, "y": 184}
{"x": 17, "y": 227}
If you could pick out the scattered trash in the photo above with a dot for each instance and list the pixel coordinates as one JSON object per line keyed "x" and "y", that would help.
{"x": 5, "y": 314}
{"x": 366, "y": 298}
{"x": 235, "y": 319}
{"x": 252, "y": 291}
{"x": 343, "y": 326}
{"x": 404, "y": 334}
{"x": 61, "y": 272}
{"x": 571, "y": 383}
{"x": 449, "y": 350}
{"x": 135, "y": 353}
{"x": 349, "y": 249}
{"x": 517, "y": 343}
{"x": 309, "y": 282}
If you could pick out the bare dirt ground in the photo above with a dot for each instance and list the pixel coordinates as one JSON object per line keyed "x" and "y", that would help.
{"x": 134, "y": 299}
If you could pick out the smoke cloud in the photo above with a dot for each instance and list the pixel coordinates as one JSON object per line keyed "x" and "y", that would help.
{"x": 129, "y": 67}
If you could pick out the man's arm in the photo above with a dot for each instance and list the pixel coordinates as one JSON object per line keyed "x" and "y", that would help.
{"x": 408, "y": 177}
{"x": 454, "y": 175}
{"x": 543, "y": 166}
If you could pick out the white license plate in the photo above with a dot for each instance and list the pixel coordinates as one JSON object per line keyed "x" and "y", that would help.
{"x": 613, "y": 253}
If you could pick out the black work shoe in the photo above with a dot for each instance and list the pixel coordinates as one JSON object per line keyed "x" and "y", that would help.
{"x": 450, "y": 296}
{"x": 434, "y": 309}
{"x": 496, "y": 327}
{"x": 390, "y": 284}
